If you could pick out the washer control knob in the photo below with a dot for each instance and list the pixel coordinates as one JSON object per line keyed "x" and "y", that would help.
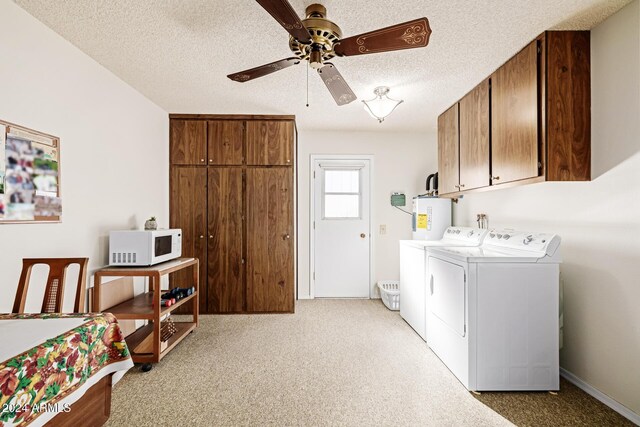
{"x": 457, "y": 231}
{"x": 528, "y": 239}
{"x": 506, "y": 237}
{"x": 492, "y": 235}
{"x": 499, "y": 236}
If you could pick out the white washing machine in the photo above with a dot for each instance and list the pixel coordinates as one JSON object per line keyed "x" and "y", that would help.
{"x": 493, "y": 311}
{"x": 413, "y": 272}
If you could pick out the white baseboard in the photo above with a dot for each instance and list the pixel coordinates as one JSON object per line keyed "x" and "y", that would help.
{"x": 610, "y": 402}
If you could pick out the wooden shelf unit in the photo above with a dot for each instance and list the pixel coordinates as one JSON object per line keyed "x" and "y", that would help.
{"x": 147, "y": 306}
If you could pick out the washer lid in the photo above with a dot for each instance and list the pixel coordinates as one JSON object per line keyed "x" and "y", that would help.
{"x": 488, "y": 254}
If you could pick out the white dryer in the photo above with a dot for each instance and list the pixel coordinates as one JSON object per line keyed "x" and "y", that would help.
{"x": 493, "y": 311}
{"x": 413, "y": 272}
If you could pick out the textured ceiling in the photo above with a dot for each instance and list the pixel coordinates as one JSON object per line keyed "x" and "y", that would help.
{"x": 178, "y": 52}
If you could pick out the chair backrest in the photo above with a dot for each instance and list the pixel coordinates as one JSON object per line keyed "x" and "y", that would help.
{"x": 54, "y": 290}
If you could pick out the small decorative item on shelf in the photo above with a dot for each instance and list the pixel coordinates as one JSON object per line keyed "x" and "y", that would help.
{"x": 151, "y": 224}
{"x": 167, "y": 329}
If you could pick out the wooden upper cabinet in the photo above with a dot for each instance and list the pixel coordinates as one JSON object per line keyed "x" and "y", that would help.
{"x": 226, "y": 142}
{"x": 448, "y": 151}
{"x": 188, "y": 142}
{"x": 269, "y": 142}
{"x": 225, "y": 270}
{"x": 474, "y": 138}
{"x": 568, "y": 105}
{"x": 270, "y": 252}
{"x": 514, "y": 118}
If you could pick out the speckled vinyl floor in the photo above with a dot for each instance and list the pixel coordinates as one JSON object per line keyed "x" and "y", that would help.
{"x": 333, "y": 362}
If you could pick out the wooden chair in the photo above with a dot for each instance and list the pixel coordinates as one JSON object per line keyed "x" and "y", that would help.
{"x": 54, "y": 290}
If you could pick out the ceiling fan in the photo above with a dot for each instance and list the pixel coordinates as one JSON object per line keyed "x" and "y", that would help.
{"x": 317, "y": 39}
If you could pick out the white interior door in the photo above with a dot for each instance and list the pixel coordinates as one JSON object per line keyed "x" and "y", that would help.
{"x": 341, "y": 228}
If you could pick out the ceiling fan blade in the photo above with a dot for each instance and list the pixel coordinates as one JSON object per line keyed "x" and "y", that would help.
{"x": 282, "y": 12}
{"x": 339, "y": 89}
{"x": 263, "y": 70}
{"x": 407, "y": 35}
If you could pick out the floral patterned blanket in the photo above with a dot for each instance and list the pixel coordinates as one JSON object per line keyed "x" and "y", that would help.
{"x": 37, "y": 381}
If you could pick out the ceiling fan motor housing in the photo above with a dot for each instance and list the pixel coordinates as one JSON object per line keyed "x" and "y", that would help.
{"x": 324, "y": 34}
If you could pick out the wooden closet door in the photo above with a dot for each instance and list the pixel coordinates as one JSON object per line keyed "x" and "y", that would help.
{"x": 188, "y": 211}
{"x": 269, "y": 142}
{"x": 188, "y": 142}
{"x": 270, "y": 279}
{"x": 474, "y": 138}
{"x": 514, "y": 118}
{"x": 225, "y": 272}
{"x": 448, "y": 154}
{"x": 226, "y": 138}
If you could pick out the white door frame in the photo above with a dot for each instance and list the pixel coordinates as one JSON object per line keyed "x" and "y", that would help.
{"x": 312, "y": 192}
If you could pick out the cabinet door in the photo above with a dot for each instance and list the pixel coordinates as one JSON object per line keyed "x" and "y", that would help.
{"x": 448, "y": 154}
{"x": 188, "y": 141}
{"x": 514, "y": 118}
{"x": 270, "y": 280}
{"x": 474, "y": 138}
{"x": 225, "y": 273}
{"x": 269, "y": 142}
{"x": 188, "y": 211}
{"x": 226, "y": 139}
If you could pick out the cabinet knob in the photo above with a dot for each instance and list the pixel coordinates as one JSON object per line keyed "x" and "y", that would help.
{"x": 461, "y": 186}
{"x": 362, "y": 235}
{"x": 211, "y": 236}
{"x": 286, "y": 237}
{"x": 210, "y": 160}
{"x": 202, "y": 236}
{"x": 495, "y": 177}
{"x": 457, "y": 186}
{"x": 202, "y": 160}
{"x": 288, "y": 161}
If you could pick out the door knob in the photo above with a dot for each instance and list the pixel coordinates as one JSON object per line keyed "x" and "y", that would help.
{"x": 362, "y": 235}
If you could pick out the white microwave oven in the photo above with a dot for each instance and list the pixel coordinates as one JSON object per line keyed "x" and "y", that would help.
{"x": 144, "y": 247}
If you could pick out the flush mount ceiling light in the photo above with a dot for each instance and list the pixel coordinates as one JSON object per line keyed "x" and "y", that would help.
{"x": 381, "y": 106}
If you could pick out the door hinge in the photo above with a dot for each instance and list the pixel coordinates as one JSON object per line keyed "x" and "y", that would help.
{"x": 539, "y": 165}
{"x": 314, "y": 225}
{"x": 314, "y": 174}
{"x": 314, "y": 275}
{"x": 465, "y": 277}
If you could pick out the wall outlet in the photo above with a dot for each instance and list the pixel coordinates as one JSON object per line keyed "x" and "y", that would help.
{"x": 383, "y": 229}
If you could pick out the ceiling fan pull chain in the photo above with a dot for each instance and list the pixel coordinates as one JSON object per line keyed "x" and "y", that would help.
{"x": 307, "y": 67}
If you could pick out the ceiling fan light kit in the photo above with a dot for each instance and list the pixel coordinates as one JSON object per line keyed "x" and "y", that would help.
{"x": 381, "y": 106}
{"x": 317, "y": 40}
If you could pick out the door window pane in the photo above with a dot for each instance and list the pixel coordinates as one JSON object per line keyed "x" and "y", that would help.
{"x": 342, "y": 181}
{"x": 342, "y": 206}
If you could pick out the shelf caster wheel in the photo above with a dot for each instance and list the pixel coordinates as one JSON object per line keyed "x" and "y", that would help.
{"x": 146, "y": 367}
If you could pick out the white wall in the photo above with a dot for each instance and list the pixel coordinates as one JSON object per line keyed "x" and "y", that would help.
{"x": 114, "y": 146}
{"x": 401, "y": 162}
{"x": 599, "y": 221}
